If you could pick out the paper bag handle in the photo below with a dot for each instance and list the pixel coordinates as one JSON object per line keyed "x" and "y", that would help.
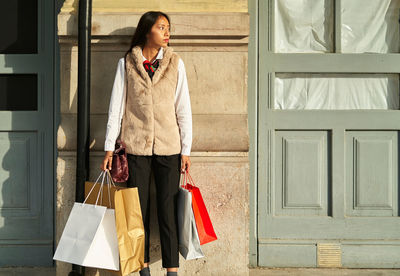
{"x": 102, "y": 173}
{"x": 182, "y": 180}
{"x": 186, "y": 179}
{"x": 190, "y": 179}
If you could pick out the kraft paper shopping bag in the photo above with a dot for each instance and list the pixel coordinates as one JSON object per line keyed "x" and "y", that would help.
{"x": 130, "y": 230}
{"x": 129, "y": 223}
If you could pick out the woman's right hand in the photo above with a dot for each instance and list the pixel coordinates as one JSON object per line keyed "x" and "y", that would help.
{"x": 107, "y": 162}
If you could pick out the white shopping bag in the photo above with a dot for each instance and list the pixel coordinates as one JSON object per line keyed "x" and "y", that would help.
{"x": 189, "y": 242}
{"x": 90, "y": 236}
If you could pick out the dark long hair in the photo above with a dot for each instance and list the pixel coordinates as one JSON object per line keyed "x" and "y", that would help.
{"x": 146, "y": 22}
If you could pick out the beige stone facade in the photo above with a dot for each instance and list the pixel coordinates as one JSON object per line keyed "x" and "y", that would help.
{"x": 213, "y": 43}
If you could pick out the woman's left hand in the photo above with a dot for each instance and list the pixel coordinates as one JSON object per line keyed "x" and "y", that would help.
{"x": 185, "y": 163}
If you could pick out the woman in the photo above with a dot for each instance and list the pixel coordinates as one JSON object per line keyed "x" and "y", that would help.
{"x": 156, "y": 127}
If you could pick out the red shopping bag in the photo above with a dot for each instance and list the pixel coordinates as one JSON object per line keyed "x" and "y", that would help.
{"x": 203, "y": 221}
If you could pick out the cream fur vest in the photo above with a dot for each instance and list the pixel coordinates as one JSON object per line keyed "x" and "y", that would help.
{"x": 149, "y": 124}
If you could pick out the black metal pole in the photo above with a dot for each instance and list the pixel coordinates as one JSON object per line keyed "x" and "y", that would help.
{"x": 83, "y": 120}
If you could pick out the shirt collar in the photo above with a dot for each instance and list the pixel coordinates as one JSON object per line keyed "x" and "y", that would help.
{"x": 159, "y": 55}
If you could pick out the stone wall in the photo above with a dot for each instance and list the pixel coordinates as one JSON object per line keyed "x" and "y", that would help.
{"x": 213, "y": 46}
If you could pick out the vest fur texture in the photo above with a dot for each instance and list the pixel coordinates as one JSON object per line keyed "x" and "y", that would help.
{"x": 149, "y": 124}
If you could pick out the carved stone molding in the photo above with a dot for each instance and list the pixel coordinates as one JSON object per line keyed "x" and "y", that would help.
{"x": 187, "y": 29}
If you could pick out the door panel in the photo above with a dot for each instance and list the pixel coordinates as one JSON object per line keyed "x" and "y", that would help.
{"x": 371, "y": 165}
{"x": 301, "y": 186}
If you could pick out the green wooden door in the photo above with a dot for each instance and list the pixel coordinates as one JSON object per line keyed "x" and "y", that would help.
{"x": 328, "y": 143}
{"x": 26, "y": 133}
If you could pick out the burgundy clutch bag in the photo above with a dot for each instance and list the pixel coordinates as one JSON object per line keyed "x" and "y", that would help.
{"x": 119, "y": 169}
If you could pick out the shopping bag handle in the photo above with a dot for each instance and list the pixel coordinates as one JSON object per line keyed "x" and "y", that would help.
{"x": 102, "y": 173}
{"x": 189, "y": 177}
{"x": 182, "y": 180}
{"x": 186, "y": 179}
{"x": 110, "y": 177}
{"x": 102, "y": 181}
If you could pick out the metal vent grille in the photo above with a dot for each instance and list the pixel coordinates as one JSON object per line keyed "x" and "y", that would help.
{"x": 329, "y": 255}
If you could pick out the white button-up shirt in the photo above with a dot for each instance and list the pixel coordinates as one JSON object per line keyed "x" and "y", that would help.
{"x": 182, "y": 107}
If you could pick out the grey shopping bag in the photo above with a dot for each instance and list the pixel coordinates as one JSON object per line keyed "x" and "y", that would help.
{"x": 189, "y": 242}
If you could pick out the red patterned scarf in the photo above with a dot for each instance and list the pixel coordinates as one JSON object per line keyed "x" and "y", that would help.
{"x": 150, "y": 67}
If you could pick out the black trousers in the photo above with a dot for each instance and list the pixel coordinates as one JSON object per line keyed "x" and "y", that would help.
{"x": 166, "y": 175}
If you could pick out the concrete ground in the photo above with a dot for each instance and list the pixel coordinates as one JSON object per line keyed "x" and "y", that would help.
{"x": 27, "y": 271}
{"x": 253, "y": 272}
{"x": 323, "y": 272}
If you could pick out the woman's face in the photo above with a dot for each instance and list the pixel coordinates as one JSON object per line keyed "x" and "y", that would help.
{"x": 159, "y": 33}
